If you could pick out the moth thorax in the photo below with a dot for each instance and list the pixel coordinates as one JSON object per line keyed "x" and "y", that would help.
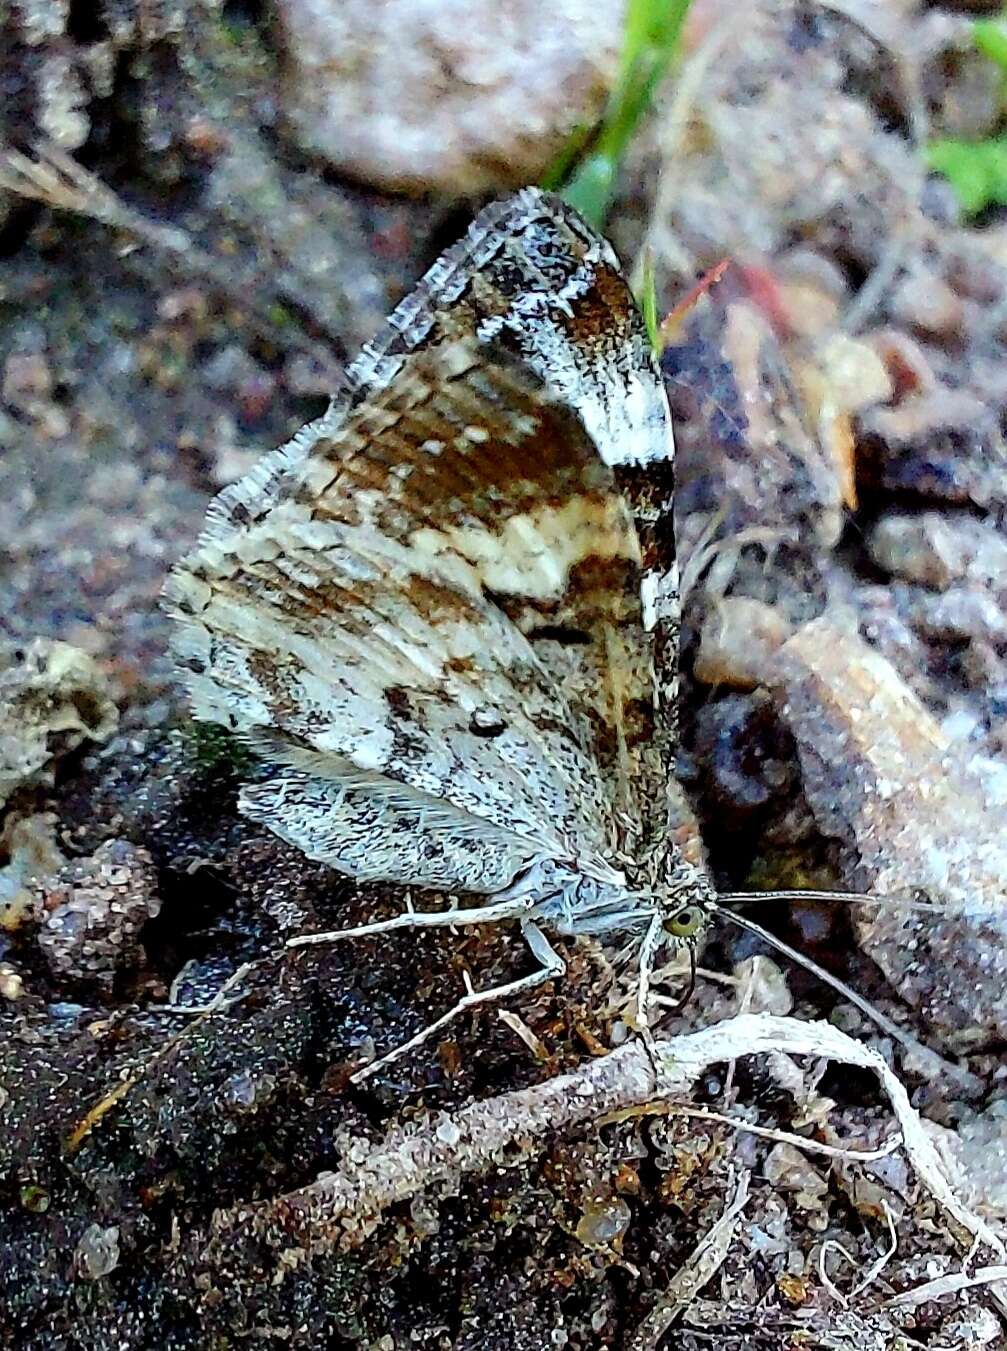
{"x": 574, "y": 899}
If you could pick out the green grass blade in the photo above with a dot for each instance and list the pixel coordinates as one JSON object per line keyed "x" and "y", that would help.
{"x": 650, "y": 40}
{"x": 977, "y": 170}
{"x": 647, "y": 300}
{"x": 990, "y": 36}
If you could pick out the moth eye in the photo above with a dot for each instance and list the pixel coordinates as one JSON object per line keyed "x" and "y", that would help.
{"x": 685, "y": 923}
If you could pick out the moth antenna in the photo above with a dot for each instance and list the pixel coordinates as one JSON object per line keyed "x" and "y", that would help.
{"x": 678, "y": 1004}
{"x": 967, "y": 1081}
{"x": 852, "y": 897}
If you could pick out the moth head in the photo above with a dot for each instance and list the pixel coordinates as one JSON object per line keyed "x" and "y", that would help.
{"x": 687, "y": 902}
{"x": 684, "y": 907}
{"x": 681, "y": 896}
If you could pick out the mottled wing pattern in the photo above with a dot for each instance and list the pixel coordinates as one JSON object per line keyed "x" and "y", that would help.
{"x": 425, "y": 610}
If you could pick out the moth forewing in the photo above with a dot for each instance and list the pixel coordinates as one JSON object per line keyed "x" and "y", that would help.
{"x": 425, "y": 611}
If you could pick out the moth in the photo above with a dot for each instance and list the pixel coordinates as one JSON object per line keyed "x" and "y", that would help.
{"x": 440, "y": 614}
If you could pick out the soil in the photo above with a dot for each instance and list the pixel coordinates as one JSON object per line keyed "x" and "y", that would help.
{"x": 839, "y": 402}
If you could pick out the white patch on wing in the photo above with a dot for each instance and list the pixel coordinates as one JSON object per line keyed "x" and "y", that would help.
{"x": 659, "y": 598}
{"x": 648, "y": 600}
{"x": 342, "y": 708}
{"x": 532, "y": 555}
{"x": 629, "y": 422}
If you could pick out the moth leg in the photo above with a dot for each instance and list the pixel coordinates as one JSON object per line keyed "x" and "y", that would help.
{"x": 422, "y": 919}
{"x": 648, "y": 949}
{"x": 552, "y": 965}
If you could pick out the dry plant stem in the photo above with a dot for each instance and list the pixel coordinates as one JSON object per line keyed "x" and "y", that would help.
{"x": 873, "y": 1271}
{"x": 439, "y": 1151}
{"x": 55, "y": 179}
{"x": 784, "y": 1137}
{"x": 105, "y": 1104}
{"x": 951, "y": 1284}
{"x": 521, "y": 1029}
{"x": 698, "y": 1270}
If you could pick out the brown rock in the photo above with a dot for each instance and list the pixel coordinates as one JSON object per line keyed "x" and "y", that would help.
{"x": 908, "y": 366}
{"x": 920, "y": 819}
{"x": 738, "y": 640}
{"x": 960, "y": 614}
{"x": 945, "y": 444}
{"x": 95, "y": 909}
{"x": 938, "y": 549}
{"x": 843, "y": 376}
{"x": 814, "y": 290}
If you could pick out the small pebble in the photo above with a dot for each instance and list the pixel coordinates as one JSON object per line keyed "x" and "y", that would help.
{"x": 603, "y": 1222}
{"x": 737, "y": 643}
{"x": 97, "y": 1252}
{"x": 35, "y": 1198}
{"x": 11, "y": 984}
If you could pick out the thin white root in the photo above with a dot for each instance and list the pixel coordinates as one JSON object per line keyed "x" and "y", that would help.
{"x": 848, "y": 1155}
{"x": 873, "y": 1271}
{"x": 101, "y": 1109}
{"x": 51, "y": 176}
{"x": 221, "y": 1000}
{"x": 675, "y": 123}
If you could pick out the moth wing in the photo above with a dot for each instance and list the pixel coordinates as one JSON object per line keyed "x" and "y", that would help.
{"x": 438, "y": 583}
{"x": 376, "y": 829}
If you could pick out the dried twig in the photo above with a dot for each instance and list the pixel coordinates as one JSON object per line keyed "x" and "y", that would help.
{"x": 55, "y": 179}
{"x": 439, "y": 1151}
{"x": 951, "y": 1284}
{"x": 698, "y": 1270}
{"x": 844, "y": 1152}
